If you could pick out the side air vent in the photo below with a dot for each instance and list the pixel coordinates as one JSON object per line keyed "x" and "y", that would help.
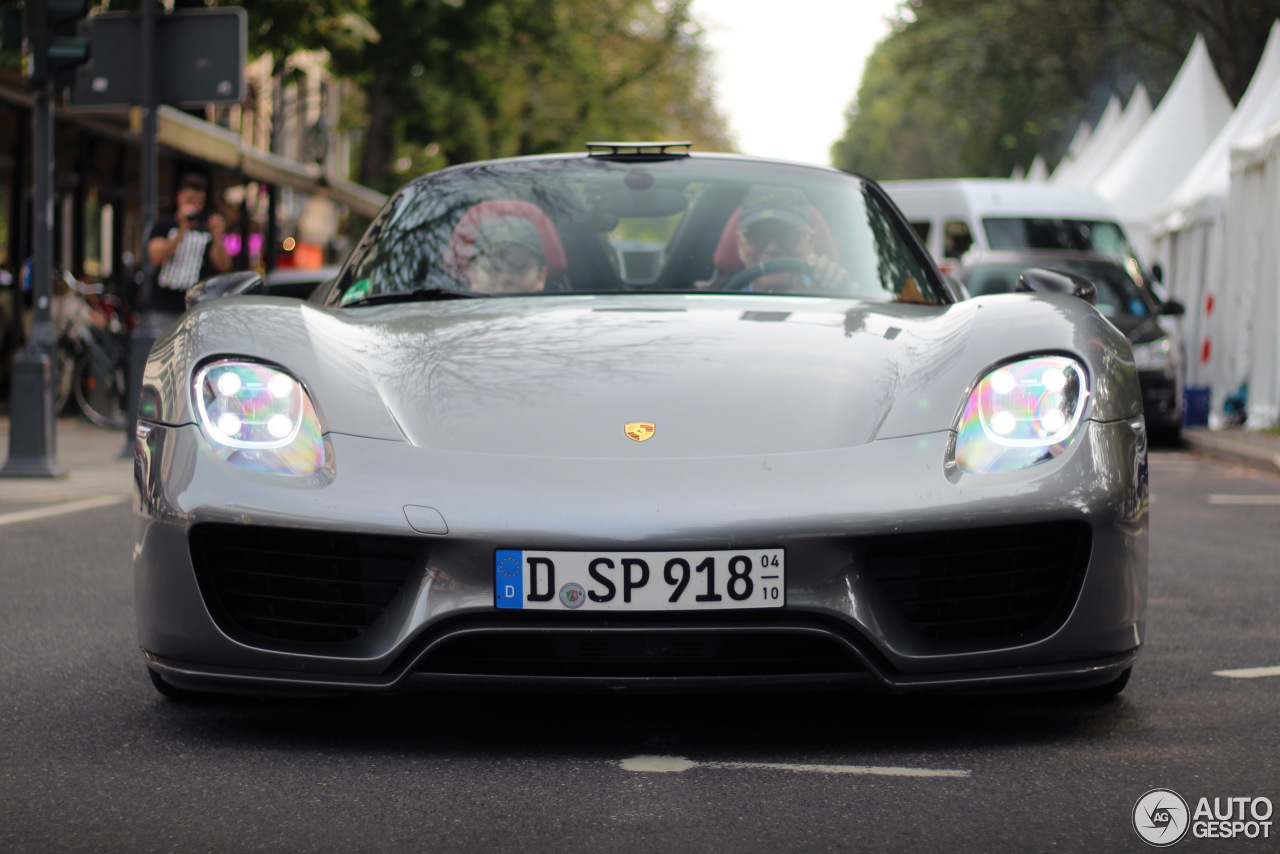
{"x": 985, "y": 584}
{"x": 293, "y": 585}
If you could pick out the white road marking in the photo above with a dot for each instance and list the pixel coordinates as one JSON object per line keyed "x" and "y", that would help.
{"x": 677, "y": 764}
{"x": 1245, "y": 499}
{"x": 658, "y": 764}
{"x": 1248, "y": 672}
{"x": 62, "y": 509}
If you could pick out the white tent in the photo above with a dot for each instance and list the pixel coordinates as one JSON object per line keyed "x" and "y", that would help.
{"x": 1105, "y": 149}
{"x": 1081, "y": 150}
{"x": 1075, "y": 148}
{"x": 1039, "y": 172}
{"x": 1202, "y": 192}
{"x": 1190, "y": 115}
{"x": 1247, "y": 322}
{"x": 1189, "y": 231}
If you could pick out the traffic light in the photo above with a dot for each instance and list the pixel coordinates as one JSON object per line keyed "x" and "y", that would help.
{"x": 53, "y": 44}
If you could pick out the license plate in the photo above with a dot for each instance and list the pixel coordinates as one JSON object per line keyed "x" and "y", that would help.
{"x": 639, "y": 581}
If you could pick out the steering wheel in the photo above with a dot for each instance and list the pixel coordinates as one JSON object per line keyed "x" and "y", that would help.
{"x": 740, "y": 280}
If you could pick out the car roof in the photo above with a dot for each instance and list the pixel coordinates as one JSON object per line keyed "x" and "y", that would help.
{"x": 984, "y": 197}
{"x": 652, "y": 159}
{"x": 1010, "y": 256}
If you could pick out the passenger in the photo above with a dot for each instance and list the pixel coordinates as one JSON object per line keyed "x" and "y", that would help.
{"x": 775, "y": 224}
{"x": 508, "y": 257}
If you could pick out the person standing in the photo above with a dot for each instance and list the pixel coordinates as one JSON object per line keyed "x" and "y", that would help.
{"x": 186, "y": 247}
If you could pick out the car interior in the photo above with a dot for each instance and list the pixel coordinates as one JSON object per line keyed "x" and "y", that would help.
{"x": 636, "y": 230}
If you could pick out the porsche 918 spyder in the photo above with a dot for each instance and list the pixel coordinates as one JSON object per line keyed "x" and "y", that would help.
{"x": 640, "y": 418}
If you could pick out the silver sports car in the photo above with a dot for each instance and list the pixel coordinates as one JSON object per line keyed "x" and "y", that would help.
{"x": 640, "y": 418}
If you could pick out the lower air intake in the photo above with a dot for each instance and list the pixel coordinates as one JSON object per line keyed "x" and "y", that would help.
{"x": 292, "y": 585}
{"x": 989, "y": 584}
{"x": 655, "y": 652}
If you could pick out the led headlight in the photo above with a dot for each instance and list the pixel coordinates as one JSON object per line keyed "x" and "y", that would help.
{"x": 258, "y": 417}
{"x": 1154, "y": 355}
{"x": 1022, "y": 414}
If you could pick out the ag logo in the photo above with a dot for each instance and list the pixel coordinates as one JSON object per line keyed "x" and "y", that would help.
{"x": 638, "y": 430}
{"x": 1161, "y": 818}
{"x": 572, "y": 595}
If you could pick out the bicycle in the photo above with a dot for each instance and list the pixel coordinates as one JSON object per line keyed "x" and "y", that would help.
{"x": 93, "y": 352}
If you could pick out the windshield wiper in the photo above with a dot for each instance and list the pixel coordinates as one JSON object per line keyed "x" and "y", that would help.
{"x": 417, "y": 295}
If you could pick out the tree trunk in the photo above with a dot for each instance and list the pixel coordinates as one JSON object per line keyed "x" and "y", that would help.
{"x": 379, "y": 139}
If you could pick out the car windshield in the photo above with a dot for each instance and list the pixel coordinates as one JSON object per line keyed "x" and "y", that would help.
{"x": 1117, "y": 292}
{"x": 1082, "y": 235}
{"x": 601, "y": 224}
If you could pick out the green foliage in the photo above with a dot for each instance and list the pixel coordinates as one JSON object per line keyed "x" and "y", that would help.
{"x": 446, "y": 81}
{"x": 281, "y": 27}
{"x": 980, "y": 87}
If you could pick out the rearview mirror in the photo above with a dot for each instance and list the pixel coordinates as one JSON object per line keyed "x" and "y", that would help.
{"x": 1037, "y": 280}
{"x": 244, "y": 283}
{"x": 1172, "y": 308}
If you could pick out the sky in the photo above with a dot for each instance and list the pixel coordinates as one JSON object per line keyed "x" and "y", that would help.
{"x": 786, "y": 70}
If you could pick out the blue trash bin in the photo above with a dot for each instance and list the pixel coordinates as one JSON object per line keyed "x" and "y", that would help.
{"x": 1196, "y": 409}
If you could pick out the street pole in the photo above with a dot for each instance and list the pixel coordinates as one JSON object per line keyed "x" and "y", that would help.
{"x": 19, "y": 227}
{"x": 32, "y": 437}
{"x": 145, "y": 333}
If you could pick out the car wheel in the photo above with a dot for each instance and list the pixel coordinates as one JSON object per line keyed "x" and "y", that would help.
{"x": 99, "y": 395}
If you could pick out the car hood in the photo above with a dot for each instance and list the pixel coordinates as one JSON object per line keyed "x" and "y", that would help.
{"x": 564, "y": 376}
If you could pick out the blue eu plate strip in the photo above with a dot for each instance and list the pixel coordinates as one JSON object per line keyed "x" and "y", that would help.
{"x": 509, "y": 578}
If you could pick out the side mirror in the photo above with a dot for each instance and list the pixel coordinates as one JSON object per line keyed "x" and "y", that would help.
{"x": 1172, "y": 308}
{"x": 1037, "y": 280}
{"x": 243, "y": 283}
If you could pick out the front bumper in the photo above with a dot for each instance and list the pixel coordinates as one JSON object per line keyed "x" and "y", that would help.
{"x": 819, "y": 506}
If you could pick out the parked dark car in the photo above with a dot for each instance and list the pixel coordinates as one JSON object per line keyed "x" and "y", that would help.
{"x": 1127, "y": 299}
{"x": 297, "y": 282}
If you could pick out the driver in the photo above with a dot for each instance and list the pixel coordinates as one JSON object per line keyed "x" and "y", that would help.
{"x": 508, "y": 257}
{"x": 775, "y": 226}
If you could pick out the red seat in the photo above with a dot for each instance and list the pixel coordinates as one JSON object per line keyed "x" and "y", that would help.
{"x": 727, "y": 260}
{"x": 462, "y": 244}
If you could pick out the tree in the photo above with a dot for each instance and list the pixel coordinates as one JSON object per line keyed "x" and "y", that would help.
{"x": 283, "y": 27}
{"x": 445, "y": 81}
{"x": 979, "y": 87}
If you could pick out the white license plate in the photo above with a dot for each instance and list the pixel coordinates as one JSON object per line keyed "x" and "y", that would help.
{"x": 639, "y": 581}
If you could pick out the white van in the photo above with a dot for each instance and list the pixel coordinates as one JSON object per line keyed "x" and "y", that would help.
{"x": 955, "y": 215}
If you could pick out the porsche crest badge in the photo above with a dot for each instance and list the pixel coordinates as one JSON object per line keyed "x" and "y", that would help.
{"x": 638, "y": 430}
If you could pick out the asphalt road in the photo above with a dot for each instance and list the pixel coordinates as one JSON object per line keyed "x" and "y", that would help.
{"x": 92, "y": 759}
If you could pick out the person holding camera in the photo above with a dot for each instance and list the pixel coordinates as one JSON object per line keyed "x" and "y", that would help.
{"x": 186, "y": 247}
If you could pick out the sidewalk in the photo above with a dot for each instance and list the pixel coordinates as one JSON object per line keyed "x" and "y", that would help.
{"x": 1257, "y": 449}
{"x": 90, "y": 456}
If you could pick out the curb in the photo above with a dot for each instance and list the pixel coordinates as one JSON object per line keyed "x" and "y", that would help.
{"x": 1210, "y": 443}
